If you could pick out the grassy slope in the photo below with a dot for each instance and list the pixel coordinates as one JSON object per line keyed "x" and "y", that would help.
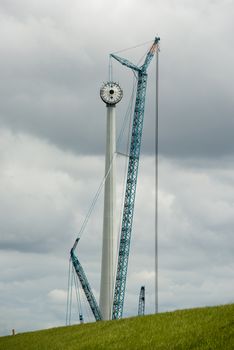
{"x": 205, "y": 328}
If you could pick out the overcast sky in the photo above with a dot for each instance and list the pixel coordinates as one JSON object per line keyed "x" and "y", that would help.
{"x": 53, "y": 60}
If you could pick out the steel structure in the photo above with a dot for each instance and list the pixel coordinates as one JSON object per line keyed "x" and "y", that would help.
{"x": 130, "y": 192}
{"x": 111, "y": 93}
{"x": 131, "y": 183}
{"x": 85, "y": 284}
{"x": 141, "y": 304}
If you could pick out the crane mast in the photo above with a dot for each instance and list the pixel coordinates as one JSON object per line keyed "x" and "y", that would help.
{"x": 141, "y": 304}
{"x": 131, "y": 182}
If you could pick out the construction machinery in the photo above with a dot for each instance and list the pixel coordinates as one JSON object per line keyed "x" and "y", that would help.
{"x": 132, "y": 174}
{"x": 85, "y": 284}
{"x": 130, "y": 192}
{"x": 141, "y": 304}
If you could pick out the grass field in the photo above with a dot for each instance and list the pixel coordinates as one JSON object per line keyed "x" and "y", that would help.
{"x": 204, "y": 328}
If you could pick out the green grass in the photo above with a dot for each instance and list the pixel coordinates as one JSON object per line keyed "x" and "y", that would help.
{"x": 204, "y": 328}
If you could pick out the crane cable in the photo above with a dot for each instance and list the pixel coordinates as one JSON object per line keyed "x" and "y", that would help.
{"x": 156, "y": 178}
{"x": 125, "y": 172}
{"x": 133, "y": 47}
{"x": 68, "y": 293}
{"x": 87, "y": 311}
{"x": 70, "y": 297}
{"x": 79, "y": 306}
{"x": 72, "y": 279}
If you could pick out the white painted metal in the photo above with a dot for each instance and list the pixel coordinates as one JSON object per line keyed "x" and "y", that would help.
{"x": 109, "y": 220}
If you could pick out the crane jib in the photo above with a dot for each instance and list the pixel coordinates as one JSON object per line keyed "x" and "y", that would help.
{"x": 131, "y": 183}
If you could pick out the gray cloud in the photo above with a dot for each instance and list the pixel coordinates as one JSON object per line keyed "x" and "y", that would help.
{"x": 53, "y": 65}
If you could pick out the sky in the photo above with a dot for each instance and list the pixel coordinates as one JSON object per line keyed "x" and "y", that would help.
{"x": 54, "y": 56}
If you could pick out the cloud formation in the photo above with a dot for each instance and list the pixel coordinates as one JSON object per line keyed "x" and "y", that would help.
{"x": 53, "y": 60}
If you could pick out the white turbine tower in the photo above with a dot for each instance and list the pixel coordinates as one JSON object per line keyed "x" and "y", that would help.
{"x": 111, "y": 94}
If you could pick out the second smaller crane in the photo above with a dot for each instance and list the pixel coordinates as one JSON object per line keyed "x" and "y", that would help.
{"x": 141, "y": 305}
{"x": 85, "y": 284}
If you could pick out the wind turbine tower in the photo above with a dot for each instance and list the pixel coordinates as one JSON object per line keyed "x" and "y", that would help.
{"x": 111, "y": 93}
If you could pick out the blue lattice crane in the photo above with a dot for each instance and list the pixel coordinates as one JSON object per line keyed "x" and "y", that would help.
{"x": 129, "y": 199}
{"x": 85, "y": 284}
{"x": 131, "y": 183}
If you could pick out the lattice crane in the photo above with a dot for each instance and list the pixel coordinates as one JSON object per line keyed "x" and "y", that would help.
{"x": 141, "y": 304}
{"x": 130, "y": 192}
{"x": 85, "y": 284}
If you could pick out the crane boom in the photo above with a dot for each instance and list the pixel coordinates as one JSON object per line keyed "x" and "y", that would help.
{"x": 141, "y": 304}
{"x": 85, "y": 284}
{"x": 130, "y": 192}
